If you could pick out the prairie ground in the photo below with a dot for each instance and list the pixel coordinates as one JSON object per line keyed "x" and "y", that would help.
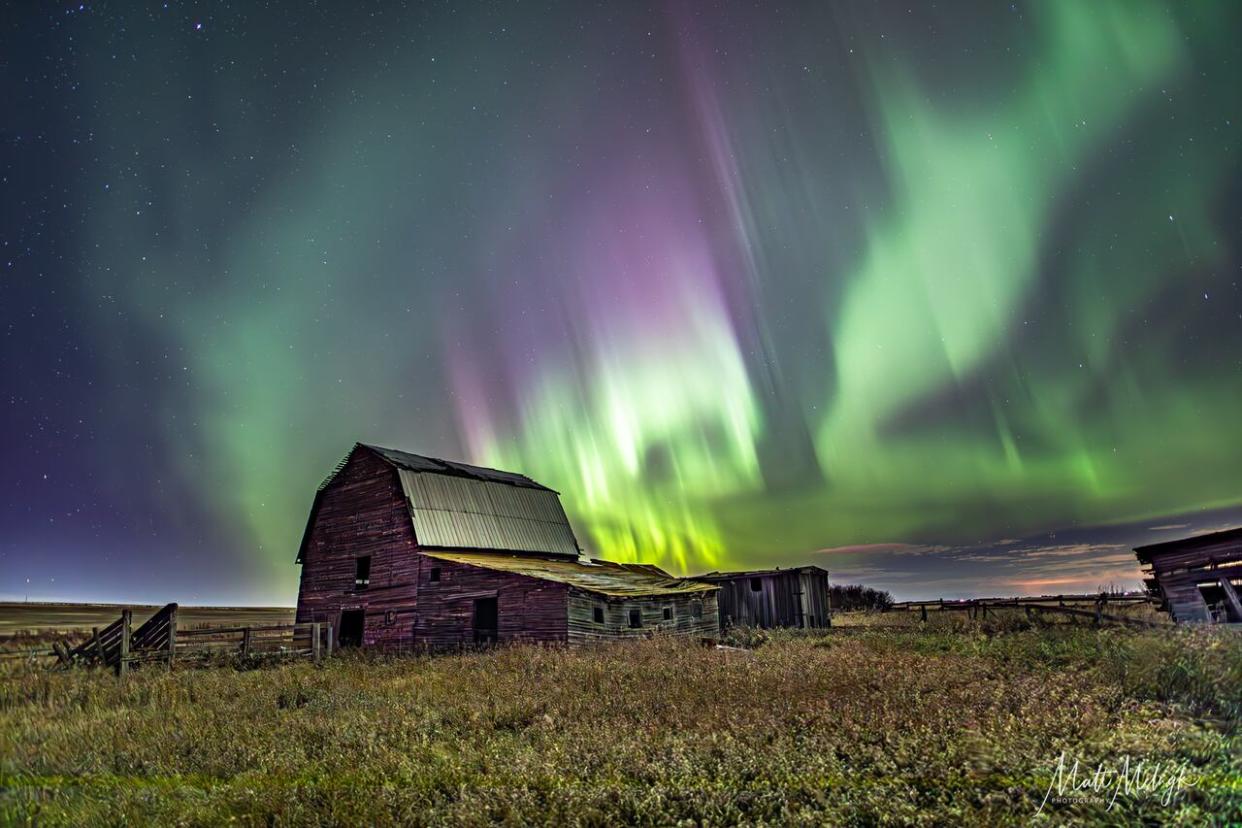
{"x": 950, "y": 723}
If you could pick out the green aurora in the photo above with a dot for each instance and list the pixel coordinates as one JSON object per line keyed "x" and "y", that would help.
{"x": 740, "y": 286}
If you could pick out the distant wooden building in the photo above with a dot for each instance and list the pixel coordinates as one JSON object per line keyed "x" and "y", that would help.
{"x": 403, "y": 551}
{"x": 1197, "y": 579}
{"x": 795, "y": 597}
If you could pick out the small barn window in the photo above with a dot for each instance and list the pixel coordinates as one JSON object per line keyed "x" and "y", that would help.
{"x": 434, "y": 575}
{"x": 636, "y": 618}
{"x": 599, "y": 615}
{"x": 362, "y": 572}
{"x": 668, "y": 613}
{"x": 696, "y": 609}
{"x": 390, "y": 618}
{"x": 756, "y": 585}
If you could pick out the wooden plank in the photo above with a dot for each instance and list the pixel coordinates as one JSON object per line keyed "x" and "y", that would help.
{"x": 122, "y": 662}
{"x": 1096, "y": 614}
{"x": 210, "y": 631}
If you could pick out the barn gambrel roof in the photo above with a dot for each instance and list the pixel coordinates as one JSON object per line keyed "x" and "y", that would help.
{"x": 460, "y": 506}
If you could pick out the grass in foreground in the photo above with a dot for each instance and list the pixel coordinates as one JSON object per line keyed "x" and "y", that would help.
{"x": 871, "y": 727}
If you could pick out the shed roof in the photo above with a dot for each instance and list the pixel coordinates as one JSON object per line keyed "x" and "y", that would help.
{"x": 603, "y": 577}
{"x": 460, "y": 506}
{"x": 758, "y": 573}
{"x": 1145, "y": 553}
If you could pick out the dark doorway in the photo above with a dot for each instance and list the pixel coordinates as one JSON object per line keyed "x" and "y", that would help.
{"x": 1217, "y": 603}
{"x": 352, "y": 624}
{"x": 486, "y": 621}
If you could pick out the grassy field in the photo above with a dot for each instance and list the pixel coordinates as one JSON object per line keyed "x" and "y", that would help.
{"x": 956, "y": 723}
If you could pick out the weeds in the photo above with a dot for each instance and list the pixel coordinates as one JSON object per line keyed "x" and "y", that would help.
{"x": 878, "y": 726}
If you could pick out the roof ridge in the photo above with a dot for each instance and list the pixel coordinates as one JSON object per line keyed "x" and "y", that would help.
{"x": 425, "y": 464}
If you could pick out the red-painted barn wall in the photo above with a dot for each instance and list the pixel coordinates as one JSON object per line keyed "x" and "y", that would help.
{"x": 362, "y": 512}
{"x": 529, "y": 609}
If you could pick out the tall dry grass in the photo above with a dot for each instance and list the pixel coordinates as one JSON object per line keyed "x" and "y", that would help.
{"x": 872, "y": 727}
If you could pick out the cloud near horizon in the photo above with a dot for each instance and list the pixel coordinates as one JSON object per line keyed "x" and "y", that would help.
{"x": 1084, "y": 559}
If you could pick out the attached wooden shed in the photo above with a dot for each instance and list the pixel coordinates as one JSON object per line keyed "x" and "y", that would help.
{"x": 767, "y": 598}
{"x": 403, "y": 551}
{"x": 1197, "y": 579}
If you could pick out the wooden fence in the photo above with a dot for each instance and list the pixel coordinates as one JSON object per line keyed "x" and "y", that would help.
{"x": 1056, "y": 604}
{"x": 120, "y": 646}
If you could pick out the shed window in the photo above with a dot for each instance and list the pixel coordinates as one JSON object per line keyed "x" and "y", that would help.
{"x": 756, "y": 585}
{"x": 390, "y": 618}
{"x": 668, "y": 613}
{"x": 599, "y": 615}
{"x": 434, "y": 575}
{"x": 362, "y": 572}
{"x": 696, "y": 609}
{"x": 636, "y": 618}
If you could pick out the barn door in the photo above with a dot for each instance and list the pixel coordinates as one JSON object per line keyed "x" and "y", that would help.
{"x": 352, "y": 624}
{"x": 486, "y": 621}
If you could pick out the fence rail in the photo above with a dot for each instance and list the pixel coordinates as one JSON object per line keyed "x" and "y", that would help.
{"x": 159, "y": 640}
{"x": 1052, "y": 604}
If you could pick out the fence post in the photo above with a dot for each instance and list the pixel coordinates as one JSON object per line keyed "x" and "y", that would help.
{"x": 923, "y": 609}
{"x": 1099, "y": 611}
{"x": 122, "y": 662}
{"x": 315, "y": 641}
{"x": 329, "y": 647}
{"x": 172, "y": 638}
{"x": 99, "y": 651}
{"x": 246, "y": 642}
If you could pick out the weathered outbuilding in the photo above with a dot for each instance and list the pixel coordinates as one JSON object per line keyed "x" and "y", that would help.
{"x": 403, "y": 551}
{"x": 1197, "y": 579}
{"x": 794, "y": 597}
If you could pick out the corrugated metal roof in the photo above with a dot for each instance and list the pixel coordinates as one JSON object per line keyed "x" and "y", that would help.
{"x": 466, "y": 513}
{"x": 604, "y": 577}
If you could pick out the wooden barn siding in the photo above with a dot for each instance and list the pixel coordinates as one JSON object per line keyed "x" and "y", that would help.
{"x": 362, "y": 512}
{"x": 1180, "y": 589}
{"x": 778, "y": 603}
{"x": 814, "y": 586}
{"x": 529, "y": 609}
{"x": 1185, "y": 600}
{"x": 583, "y": 629}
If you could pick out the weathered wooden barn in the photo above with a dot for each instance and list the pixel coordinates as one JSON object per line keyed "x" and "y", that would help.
{"x": 403, "y": 551}
{"x": 1197, "y": 579}
{"x": 794, "y": 597}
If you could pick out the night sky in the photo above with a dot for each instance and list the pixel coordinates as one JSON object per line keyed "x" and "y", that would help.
{"x": 943, "y": 297}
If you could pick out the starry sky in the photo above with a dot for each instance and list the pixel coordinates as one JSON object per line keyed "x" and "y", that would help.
{"x": 943, "y": 297}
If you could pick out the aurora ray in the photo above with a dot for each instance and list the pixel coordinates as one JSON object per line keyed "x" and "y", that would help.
{"x": 893, "y": 280}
